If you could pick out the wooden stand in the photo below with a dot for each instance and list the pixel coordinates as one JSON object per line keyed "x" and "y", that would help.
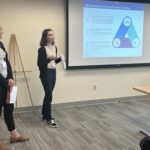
{"x": 13, "y": 52}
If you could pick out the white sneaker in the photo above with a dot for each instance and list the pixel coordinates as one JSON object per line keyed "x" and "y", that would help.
{"x": 52, "y": 123}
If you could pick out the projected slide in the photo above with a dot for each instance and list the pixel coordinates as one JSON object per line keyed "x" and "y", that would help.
{"x": 112, "y": 29}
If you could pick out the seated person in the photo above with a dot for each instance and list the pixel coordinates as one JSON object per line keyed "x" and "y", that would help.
{"x": 145, "y": 143}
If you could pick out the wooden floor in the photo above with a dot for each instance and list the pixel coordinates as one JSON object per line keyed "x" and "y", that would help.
{"x": 111, "y": 126}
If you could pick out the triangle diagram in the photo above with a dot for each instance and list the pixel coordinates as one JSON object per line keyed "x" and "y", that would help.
{"x": 126, "y": 36}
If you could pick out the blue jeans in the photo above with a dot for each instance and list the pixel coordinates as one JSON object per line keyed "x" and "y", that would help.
{"x": 48, "y": 82}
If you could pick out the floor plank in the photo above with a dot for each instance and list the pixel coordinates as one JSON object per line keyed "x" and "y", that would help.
{"x": 110, "y": 126}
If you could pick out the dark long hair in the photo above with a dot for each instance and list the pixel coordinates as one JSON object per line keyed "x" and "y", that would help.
{"x": 43, "y": 41}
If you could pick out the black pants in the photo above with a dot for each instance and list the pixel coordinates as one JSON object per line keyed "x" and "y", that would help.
{"x": 48, "y": 82}
{"x": 8, "y": 109}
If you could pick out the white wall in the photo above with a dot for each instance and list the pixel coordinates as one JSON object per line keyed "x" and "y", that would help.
{"x": 27, "y": 19}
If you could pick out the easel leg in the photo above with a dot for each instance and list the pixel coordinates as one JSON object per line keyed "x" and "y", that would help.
{"x": 15, "y": 50}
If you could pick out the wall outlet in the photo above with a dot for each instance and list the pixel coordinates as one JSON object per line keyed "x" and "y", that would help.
{"x": 94, "y": 87}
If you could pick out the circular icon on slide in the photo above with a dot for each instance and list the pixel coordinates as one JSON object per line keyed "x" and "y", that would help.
{"x": 127, "y": 21}
{"x": 135, "y": 43}
{"x": 116, "y": 42}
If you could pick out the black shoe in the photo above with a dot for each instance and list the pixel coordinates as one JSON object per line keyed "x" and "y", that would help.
{"x": 44, "y": 119}
{"x": 52, "y": 123}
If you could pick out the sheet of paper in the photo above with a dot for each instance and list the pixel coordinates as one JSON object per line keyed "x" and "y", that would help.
{"x": 63, "y": 61}
{"x": 13, "y": 95}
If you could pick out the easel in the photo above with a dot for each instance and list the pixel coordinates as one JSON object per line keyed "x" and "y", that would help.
{"x": 13, "y": 51}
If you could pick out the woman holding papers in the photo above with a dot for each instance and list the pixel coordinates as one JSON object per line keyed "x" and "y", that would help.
{"x": 47, "y": 60}
{"x": 6, "y": 83}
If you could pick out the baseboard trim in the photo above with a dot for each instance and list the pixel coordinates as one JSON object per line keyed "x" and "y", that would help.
{"x": 84, "y": 103}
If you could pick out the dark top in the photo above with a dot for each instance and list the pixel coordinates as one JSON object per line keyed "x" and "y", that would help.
{"x": 43, "y": 61}
{"x": 4, "y": 81}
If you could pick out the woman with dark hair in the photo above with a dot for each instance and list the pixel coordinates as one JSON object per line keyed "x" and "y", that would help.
{"x": 7, "y": 82}
{"x": 47, "y": 60}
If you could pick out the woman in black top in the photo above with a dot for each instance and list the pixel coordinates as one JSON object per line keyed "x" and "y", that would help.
{"x": 7, "y": 82}
{"x": 47, "y": 60}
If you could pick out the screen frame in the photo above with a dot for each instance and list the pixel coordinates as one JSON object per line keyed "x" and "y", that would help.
{"x": 68, "y": 67}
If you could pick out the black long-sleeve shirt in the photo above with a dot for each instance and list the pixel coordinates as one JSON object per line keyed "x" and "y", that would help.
{"x": 43, "y": 61}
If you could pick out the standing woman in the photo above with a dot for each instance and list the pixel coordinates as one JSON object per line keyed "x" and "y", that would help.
{"x": 6, "y": 81}
{"x": 47, "y": 60}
